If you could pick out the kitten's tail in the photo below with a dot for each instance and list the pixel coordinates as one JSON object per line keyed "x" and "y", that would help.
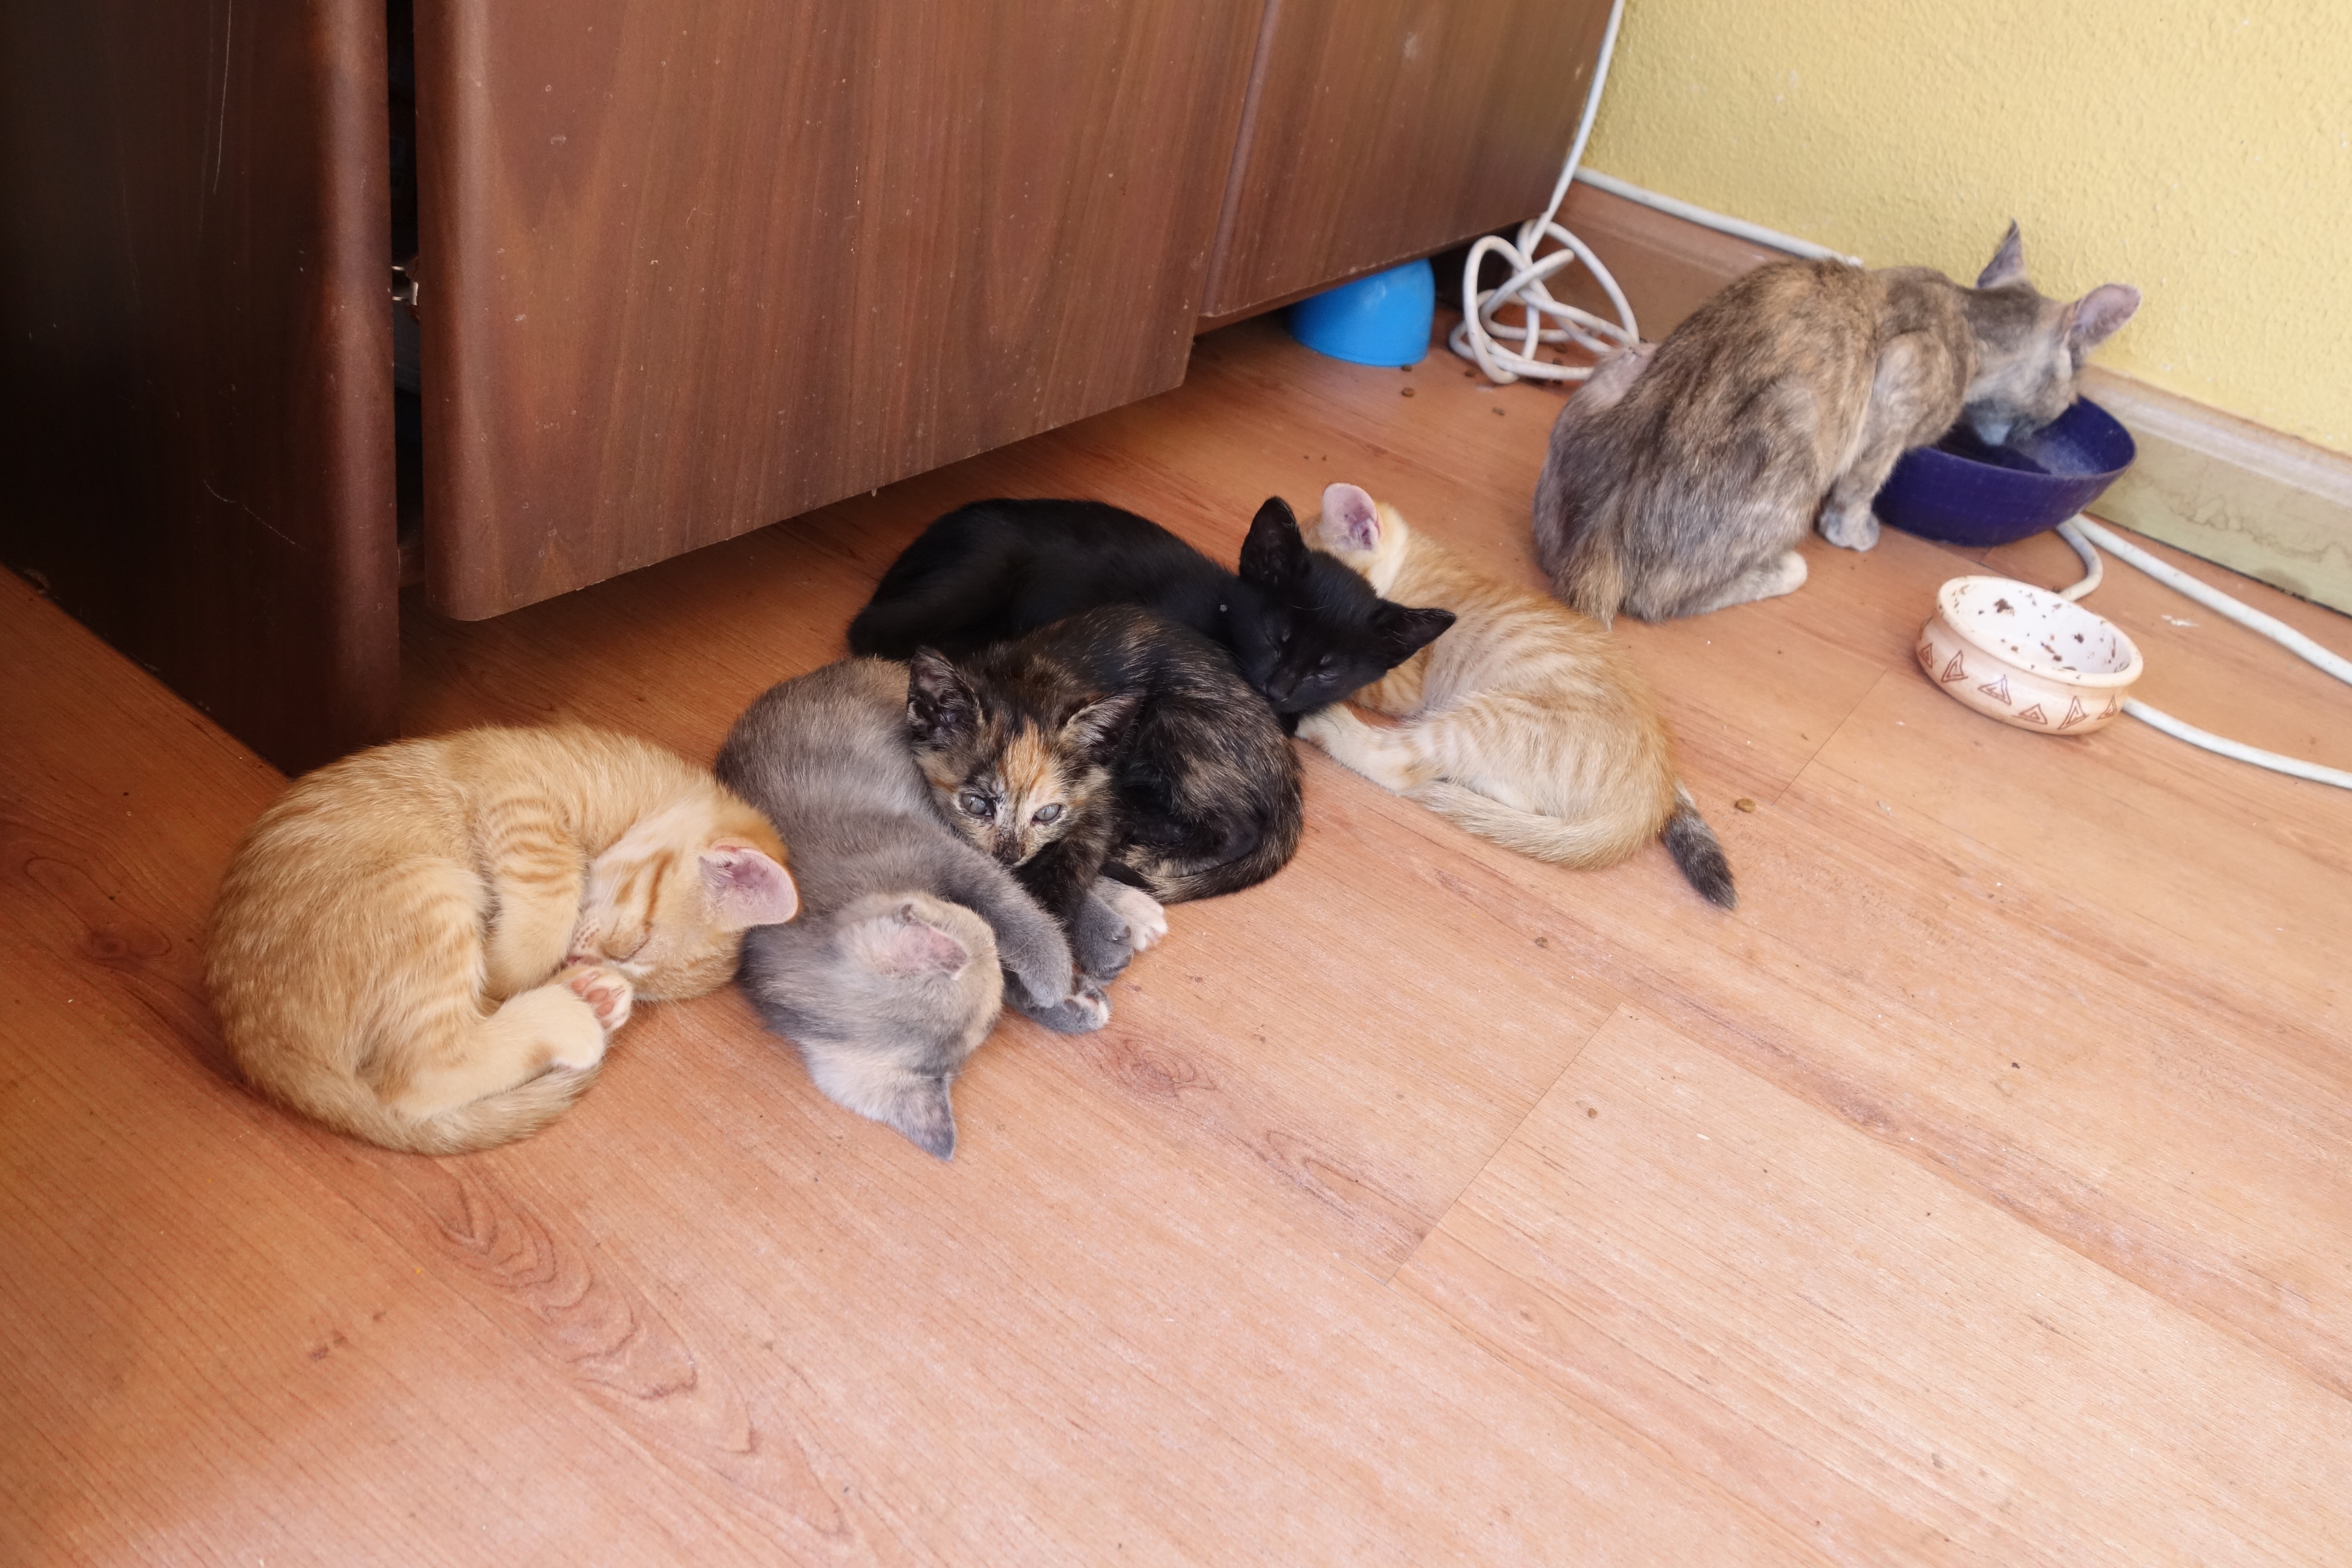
{"x": 1698, "y": 852}
{"x": 483, "y": 1123}
{"x": 1175, "y": 880}
{"x": 1590, "y": 844}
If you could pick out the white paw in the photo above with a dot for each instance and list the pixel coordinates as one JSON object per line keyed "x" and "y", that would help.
{"x": 1092, "y": 1006}
{"x": 1147, "y": 922}
{"x": 605, "y": 991}
{"x": 1325, "y": 724}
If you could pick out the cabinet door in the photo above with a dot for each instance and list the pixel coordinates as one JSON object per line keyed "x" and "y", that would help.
{"x": 195, "y": 351}
{"x": 1378, "y": 131}
{"x": 692, "y": 266}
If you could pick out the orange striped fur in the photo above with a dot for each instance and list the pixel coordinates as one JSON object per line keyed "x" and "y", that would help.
{"x": 428, "y": 944}
{"x": 1524, "y": 723}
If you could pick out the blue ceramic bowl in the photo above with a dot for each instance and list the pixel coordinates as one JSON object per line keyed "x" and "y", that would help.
{"x": 1381, "y": 319}
{"x": 1961, "y": 491}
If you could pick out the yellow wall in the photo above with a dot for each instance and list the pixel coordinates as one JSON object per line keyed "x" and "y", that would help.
{"x": 2202, "y": 152}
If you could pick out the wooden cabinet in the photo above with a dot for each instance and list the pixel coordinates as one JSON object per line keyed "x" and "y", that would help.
{"x": 692, "y": 266}
{"x": 686, "y": 267}
{"x": 196, "y": 394}
{"x": 1379, "y": 131}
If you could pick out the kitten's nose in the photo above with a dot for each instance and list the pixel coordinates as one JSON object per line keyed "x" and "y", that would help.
{"x": 1008, "y": 850}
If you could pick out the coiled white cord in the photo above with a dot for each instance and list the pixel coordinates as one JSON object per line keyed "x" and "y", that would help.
{"x": 2080, "y": 531}
{"x": 1477, "y": 336}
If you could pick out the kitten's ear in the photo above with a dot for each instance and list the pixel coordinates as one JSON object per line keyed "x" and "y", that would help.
{"x": 2008, "y": 263}
{"x": 917, "y": 1105}
{"x": 940, "y": 706}
{"x": 1096, "y": 729}
{"x": 1275, "y": 553}
{"x": 746, "y": 888}
{"x": 1405, "y": 632}
{"x": 912, "y": 1103}
{"x": 903, "y": 943}
{"x": 1351, "y": 519}
{"x": 2099, "y": 315}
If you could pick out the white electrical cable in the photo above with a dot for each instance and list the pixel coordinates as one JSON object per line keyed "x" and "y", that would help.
{"x": 2238, "y": 749}
{"x": 2080, "y": 531}
{"x": 1477, "y": 336}
{"x": 2213, "y": 599}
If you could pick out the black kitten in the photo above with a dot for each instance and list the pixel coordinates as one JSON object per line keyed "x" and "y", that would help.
{"x": 1305, "y": 630}
{"x": 1116, "y": 742}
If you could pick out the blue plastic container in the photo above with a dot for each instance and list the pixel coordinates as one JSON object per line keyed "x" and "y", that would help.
{"x": 1381, "y": 319}
{"x": 1961, "y": 491}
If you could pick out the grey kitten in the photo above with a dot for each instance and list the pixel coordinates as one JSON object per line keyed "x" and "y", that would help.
{"x": 1681, "y": 479}
{"x": 889, "y": 979}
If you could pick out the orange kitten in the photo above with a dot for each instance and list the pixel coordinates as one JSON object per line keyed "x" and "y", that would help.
{"x": 1524, "y": 723}
{"x": 427, "y": 945}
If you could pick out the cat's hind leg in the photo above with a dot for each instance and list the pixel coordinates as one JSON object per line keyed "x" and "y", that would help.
{"x": 1392, "y": 758}
{"x": 563, "y": 1025}
{"x": 1775, "y": 576}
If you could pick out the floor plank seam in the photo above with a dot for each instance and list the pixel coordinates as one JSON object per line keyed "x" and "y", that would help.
{"x": 1505, "y": 1141}
{"x": 1602, "y": 1415}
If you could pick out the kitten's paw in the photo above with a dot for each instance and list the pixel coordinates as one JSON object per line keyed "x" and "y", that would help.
{"x": 1103, "y": 946}
{"x": 607, "y": 992}
{"x": 1324, "y": 725}
{"x": 1147, "y": 922}
{"x": 1082, "y": 1013}
{"x": 1856, "y": 530}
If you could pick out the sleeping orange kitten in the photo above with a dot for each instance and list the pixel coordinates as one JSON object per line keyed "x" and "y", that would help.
{"x": 427, "y": 945}
{"x": 1524, "y": 723}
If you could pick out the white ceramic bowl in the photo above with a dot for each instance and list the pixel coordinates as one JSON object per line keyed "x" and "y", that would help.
{"x": 2026, "y": 656}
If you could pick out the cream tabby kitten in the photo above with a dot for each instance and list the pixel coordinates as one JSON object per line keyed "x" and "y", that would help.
{"x": 1524, "y": 723}
{"x": 428, "y": 944}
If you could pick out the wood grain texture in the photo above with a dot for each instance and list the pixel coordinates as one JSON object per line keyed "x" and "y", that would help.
{"x": 1379, "y": 131}
{"x": 1313, "y": 1254}
{"x": 195, "y": 351}
{"x": 689, "y": 268}
{"x": 1892, "y": 1370}
{"x": 716, "y": 1321}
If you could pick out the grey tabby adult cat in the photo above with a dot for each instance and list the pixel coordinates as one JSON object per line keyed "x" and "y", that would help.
{"x": 891, "y": 977}
{"x": 1681, "y": 479}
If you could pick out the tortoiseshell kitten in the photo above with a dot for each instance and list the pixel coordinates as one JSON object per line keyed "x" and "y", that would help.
{"x": 1302, "y": 630}
{"x": 1114, "y": 742}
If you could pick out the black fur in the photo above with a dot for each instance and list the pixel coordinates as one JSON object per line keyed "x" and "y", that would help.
{"x": 1700, "y": 854}
{"x": 1303, "y": 628}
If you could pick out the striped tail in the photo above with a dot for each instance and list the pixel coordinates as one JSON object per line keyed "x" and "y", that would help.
{"x": 1696, "y": 850}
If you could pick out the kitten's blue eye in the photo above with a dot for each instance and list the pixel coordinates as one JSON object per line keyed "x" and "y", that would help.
{"x": 974, "y": 804}
{"x": 1047, "y": 813}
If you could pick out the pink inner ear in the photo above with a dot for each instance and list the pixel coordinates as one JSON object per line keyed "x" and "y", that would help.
{"x": 747, "y": 888}
{"x": 914, "y": 948}
{"x": 1350, "y": 506}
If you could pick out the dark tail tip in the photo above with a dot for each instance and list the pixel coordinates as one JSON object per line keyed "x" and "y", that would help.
{"x": 1695, "y": 850}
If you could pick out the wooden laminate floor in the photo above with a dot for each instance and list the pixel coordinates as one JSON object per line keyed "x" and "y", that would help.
{"x": 1977, "y": 1193}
